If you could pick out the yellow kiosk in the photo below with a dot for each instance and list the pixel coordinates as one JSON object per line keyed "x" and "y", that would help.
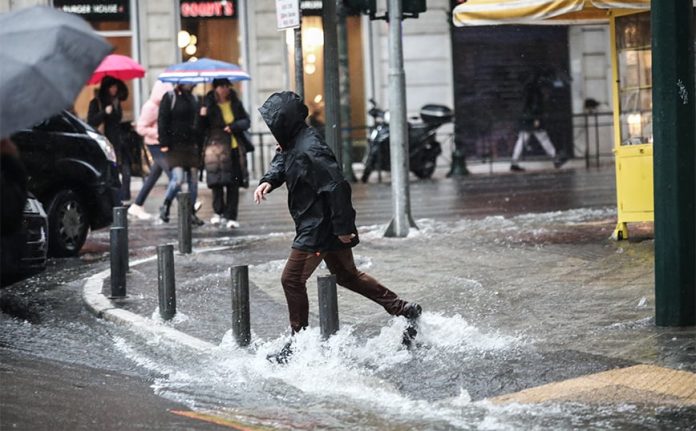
{"x": 633, "y": 136}
{"x": 629, "y": 22}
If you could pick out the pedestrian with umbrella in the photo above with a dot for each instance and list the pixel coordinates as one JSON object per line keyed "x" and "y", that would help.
{"x": 179, "y": 141}
{"x": 105, "y": 113}
{"x": 147, "y": 128}
{"x": 223, "y": 120}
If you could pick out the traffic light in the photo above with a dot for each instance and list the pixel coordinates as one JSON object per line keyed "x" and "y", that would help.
{"x": 411, "y": 8}
{"x": 368, "y": 7}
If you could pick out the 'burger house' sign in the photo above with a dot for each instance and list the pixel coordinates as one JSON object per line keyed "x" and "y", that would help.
{"x": 104, "y": 10}
{"x": 208, "y": 9}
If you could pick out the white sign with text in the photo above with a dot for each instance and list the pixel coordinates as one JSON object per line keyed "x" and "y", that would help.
{"x": 288, "y": 14}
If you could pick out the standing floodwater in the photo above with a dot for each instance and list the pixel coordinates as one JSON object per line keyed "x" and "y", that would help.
{"x": 509, "y": 305}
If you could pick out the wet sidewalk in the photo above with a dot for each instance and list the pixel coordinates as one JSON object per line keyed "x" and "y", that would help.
{"x": 538, "y": 302}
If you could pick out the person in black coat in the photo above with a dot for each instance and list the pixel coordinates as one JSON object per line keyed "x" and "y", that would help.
{"x": 532, "y": 122}
{"x": 319, "y": 199}
{"x": 179, "y": 141}
{"x": 105, "y": 113}
{"x": 223, "y": 121}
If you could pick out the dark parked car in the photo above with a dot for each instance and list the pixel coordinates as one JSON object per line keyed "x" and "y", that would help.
{"x": 24, "y": 253}
{"x": 72, "y": 171}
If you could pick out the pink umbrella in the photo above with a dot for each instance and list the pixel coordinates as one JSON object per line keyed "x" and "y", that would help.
{"x": 118, "y": 66}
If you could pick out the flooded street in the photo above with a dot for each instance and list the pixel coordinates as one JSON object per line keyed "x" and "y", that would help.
{"x": 485, "y": 331}
{"x": 512, "y": 301}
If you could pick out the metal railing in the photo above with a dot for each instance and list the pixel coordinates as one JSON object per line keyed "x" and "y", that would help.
{"x": 592, "y": 140}
{"x": 591, "y": 124}
{"x": 265, "y": 147}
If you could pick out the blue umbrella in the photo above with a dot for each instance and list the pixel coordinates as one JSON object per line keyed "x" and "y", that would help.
{"x": 202, "y": 70}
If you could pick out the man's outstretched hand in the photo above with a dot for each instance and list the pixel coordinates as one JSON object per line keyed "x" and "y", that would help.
{"x": 261, "y": 191}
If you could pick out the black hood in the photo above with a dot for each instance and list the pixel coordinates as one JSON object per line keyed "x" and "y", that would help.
{"x": 107, "y": 82}
{"x": 285, "y": 114}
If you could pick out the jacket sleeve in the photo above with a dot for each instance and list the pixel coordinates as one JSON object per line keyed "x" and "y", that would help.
{"x": 276, "y": 173}
{"x": 95, "y": 116}
{"x": 164, "y": 120}
{"x": 327, "y": 180}
{"x": 147, "y": 122}
{"x": 241, "y": 119}
{"x": 202, "y": 123}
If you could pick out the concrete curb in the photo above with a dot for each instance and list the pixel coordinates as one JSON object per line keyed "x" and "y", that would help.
{"x": 105, "y": 308}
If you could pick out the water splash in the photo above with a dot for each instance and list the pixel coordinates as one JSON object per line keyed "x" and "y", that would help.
{"x": 348, "y": 371}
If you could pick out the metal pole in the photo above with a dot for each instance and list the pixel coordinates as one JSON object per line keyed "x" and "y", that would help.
{"x": 118, "y": 239}
{"x": 587, "y": 140}
{"x": 135, "y": 53}
{"x": 398, "y": 128}
{"x": 299, "y": 60}
{"x": 344, "y": 91}
{"x": 332, "y": 113}
{"x": 120, "y": 219}
{"x": 184, "y": 218}
{"x": 596, "y": 137}
{"x": 328, "y": 306}
{"x": 165, "y": 281}
{"x": 674, "y": 111}
{"x": 241, "y": 328}
{"x": 262, "y": 163}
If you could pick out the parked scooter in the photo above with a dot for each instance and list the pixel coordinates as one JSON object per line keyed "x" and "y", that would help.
{"x": 422, "y": 146}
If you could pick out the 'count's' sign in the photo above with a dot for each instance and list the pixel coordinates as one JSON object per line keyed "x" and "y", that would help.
{"x": 208, "y": 9}
{"x": 105, "y": 10}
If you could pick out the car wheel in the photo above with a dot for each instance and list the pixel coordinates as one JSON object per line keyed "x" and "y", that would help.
{"x": 67, "y": 224}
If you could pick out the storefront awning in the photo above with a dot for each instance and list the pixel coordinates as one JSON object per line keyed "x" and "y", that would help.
{"x": 495, "y": 12}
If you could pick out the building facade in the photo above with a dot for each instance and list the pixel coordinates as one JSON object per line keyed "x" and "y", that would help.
{"x": 437, "y": 60}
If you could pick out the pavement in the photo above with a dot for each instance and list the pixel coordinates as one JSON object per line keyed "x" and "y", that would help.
{"x": 578, "y": 306}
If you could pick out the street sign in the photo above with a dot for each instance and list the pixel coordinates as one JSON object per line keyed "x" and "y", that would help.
{"x": 287, "y": 14}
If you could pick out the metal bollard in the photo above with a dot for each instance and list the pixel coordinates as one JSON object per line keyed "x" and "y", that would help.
{"x": 120, "y": 219}
{"x": 118, "y": 264}
{"x": 328, "y": 306}
{"x": 166, "y": 286}
{"x": 241, "y": 328}
{"x": 184, "y": 218}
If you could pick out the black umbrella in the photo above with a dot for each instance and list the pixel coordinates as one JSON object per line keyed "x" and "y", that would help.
{"x": 46, "y": 57}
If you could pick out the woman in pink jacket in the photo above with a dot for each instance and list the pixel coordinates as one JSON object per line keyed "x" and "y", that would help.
{"x": 147, "y": 128}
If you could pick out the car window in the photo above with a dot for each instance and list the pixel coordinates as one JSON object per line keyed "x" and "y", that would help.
{"x": 54, "y": 124}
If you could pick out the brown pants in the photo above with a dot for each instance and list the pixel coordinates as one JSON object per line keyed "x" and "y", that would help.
{"x": 300, "y": 267}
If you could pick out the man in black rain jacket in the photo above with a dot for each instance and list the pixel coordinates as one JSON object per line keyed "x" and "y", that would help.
{"x": 319, "y": 199}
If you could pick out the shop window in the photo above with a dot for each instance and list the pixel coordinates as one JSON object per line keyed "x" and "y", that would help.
{"x": 313, "y": 66}
{"x": 209, "y": 29}
{"x": 112, "y": 20}
{"x": 216, "y": 38}
{"x": 633, "y": 41}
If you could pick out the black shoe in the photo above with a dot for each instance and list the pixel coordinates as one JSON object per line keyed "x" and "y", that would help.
{"x": 196, "y": 221}
{"x": 409, "y": 336}
{"x": 560, "y": 161}
{"x": 164, "y": 213}
{"x": 412, "y": 311}
{"x": 283, "y": 356}
{"x": 516, "y": 168}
